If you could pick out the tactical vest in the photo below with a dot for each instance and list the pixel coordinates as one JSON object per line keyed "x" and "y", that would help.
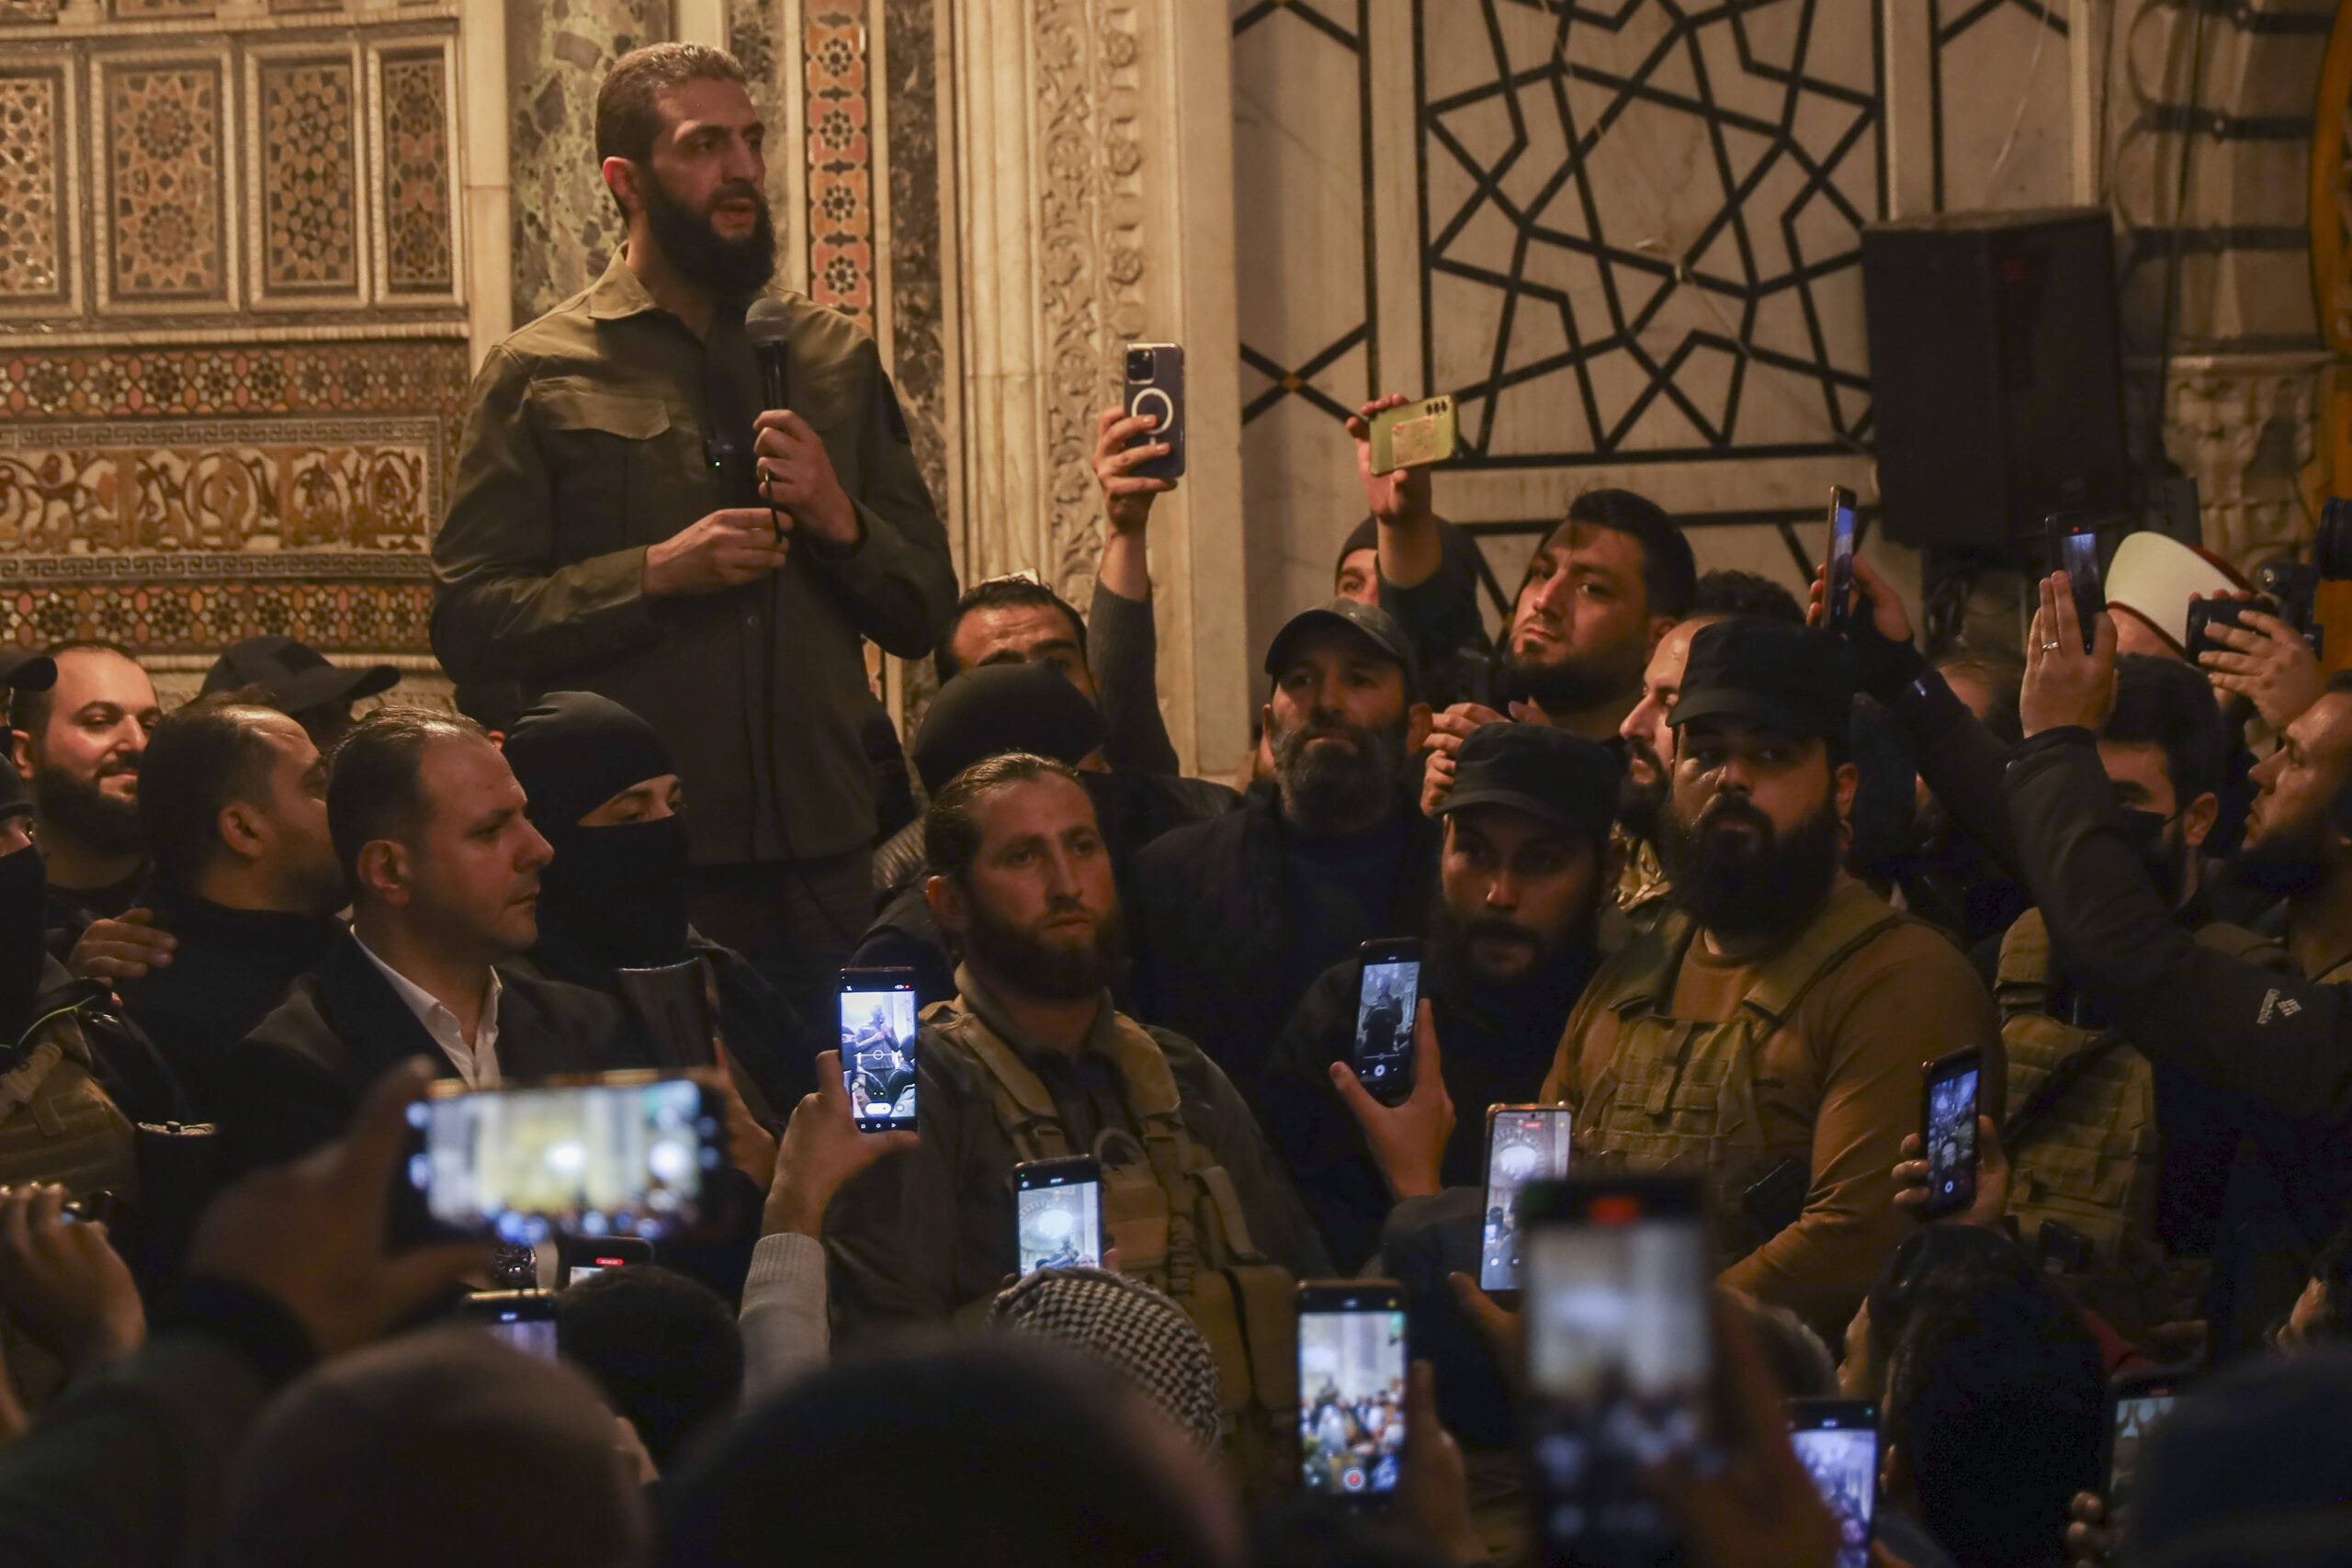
{"x": 56, "y": 1121}
{"x": 1679, "y": 1094}
{"x": 2083, "y": 1144}
{"x": 1173, "y": 1214}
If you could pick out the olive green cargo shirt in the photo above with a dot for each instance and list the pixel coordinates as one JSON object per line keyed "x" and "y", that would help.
{"x": 592, "y": 435}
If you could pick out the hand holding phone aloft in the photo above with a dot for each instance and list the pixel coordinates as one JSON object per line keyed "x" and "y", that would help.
{"x": 1408, "y": 1140}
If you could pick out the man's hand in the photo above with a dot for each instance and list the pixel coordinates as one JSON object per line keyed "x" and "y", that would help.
{"x": 1408, "y": 1140}
{"x": 2268, "y": 662}
{"x": 118, "y": 950}
{"x": 1448, "y": 730}
{"x": 2064, "y": 685}
{"x": 821, "y": 1150}
{"x": 311, "y": 1236}
{"x": 732, "y": 547}
{"x": 62, "y": 1284}
{"x": 1402, "y": 496}
{"x": 1992, "y": 1180}
{"x": 1127, "y": 495}
{"x": 797, "y": 474}
{"x": 1887, "y": 616}
{"x": 1759, "y": 1509}
{"x": 751, "y": 1148}
{"x": 1504, "y": 1330}
{"x": 2091, "y": 1536}
{"x": 1433, "y": 1486}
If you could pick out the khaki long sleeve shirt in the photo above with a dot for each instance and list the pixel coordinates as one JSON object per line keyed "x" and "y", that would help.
{"x": 606, "y": 425}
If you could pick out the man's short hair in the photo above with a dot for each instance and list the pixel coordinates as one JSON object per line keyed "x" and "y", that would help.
{"x": 999, "y": 594}
{"x": 2003, "y": 674}
{"x": 628, "y": 108}
{"x": 2166, "y": 703}
{"x": 664, "y": 1347}
{"x": 1669, "y": 574}
{"x": 202, "y": 757}
{"x": 374, "y": 779}
{"x": 29, "y": 711}
{"x": 1725, "y": 591}
{"x": 951, "y": 827}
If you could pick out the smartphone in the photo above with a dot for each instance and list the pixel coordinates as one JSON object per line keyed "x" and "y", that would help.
{"x": 2137, "y": 1403}
{"x": 585, "y": 1257}
{"x": 1841, "y": 559}
{"x": 2073, "y": 549}
{"x": 1524, "y": 1143}
{"x": 626, "y": 1153}
{"x": 524, "y": 1319}
{"x": 1620, "y": 1359}
{"x": 1414, "y": 435}
{"x": 1388, "y": 990}
{"x": 2205, "y": 613}
{"x": 1057, "y": 1214}
{"x": 1351, "y": 1361}
{"x": 1948, "y": 1111}
{"x": 878, "y": 1019}
{"x": 1837, "y": 1441}
{"x": 1156, "y": 391}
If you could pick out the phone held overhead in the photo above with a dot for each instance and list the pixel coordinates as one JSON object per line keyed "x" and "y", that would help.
{"x": 1415, "y": 436}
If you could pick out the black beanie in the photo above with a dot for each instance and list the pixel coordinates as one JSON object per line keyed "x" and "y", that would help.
{"x": 997, "y": 708}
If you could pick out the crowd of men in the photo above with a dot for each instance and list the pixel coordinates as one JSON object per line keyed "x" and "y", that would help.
{"x": 1711, "y": 877}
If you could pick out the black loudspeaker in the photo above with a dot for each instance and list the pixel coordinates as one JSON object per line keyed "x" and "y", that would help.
{"x": 1995, "y": 373}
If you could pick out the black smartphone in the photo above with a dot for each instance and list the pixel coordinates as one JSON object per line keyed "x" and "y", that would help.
{"x": 585, "y": 1257}
{"x": 878, "y": 1028}
{"x": 524, "y": 1319}
{"x": 1388, "y": 991}
{"x": 1057, "y": 1214}
{"x": 2137, "y": 1403}
{"x": 1620, "y": 1359}
{"x": 1948, "y": 1111}
{"x": 2206, "y": 613}
{"x": 622, "y": 1154}
{"x": 1524, "y": 1143}
{"x": 1840, "y": 590}
{"x": 1837, "y": 1441}
{"x": 2073, "y": 549}
{"x": 1351, "y": 1364}
{"x": 1156, "y": 391}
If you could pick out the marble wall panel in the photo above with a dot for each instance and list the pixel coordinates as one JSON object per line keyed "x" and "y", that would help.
{"x": 37, "y": 211}
{"x": 27, "y": 10}
{"x": 565, "y": 225}
{"x": 917, "y": 355}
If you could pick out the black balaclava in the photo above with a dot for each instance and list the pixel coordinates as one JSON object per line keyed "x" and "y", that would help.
{"x": 613, "y": 897}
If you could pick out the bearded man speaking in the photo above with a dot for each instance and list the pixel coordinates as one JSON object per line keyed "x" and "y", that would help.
{"x": 631, "y": 518}
{"x": 1769, "y": 1030}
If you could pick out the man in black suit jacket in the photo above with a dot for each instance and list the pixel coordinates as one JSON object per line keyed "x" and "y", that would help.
{"x": 443, "y": 869}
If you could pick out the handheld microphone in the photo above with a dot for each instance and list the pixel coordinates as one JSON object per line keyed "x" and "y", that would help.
{"x": 767, "y": 325}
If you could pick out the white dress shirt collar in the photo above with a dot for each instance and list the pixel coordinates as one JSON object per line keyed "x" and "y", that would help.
{"x": 477, "y": 1063}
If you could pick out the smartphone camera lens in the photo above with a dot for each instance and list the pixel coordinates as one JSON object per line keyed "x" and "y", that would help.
{"x": 1139, "y": 364}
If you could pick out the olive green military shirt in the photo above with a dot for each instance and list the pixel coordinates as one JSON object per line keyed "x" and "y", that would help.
{"x": 605, "y": 426}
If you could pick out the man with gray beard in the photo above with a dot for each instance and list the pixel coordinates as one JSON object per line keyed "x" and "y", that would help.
{"x": 1237, "y": 916}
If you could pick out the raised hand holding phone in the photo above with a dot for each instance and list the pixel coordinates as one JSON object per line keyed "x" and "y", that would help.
{"x": 1407, "y": 1140}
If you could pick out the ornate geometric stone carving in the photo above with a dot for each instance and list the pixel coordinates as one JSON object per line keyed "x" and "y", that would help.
{"x": 838, "y": 112}
{"x": 36, "y": 211}
{"x": 27, "y": 10}
{"x": 144, "y": 10}
{"x": 420, "y": 255}
{"x": 307, "y": 117}
{"x": 2243, "y": 426}
{"x": 163, "y": 157}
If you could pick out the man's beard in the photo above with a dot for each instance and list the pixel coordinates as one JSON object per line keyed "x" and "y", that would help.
{"x": 1572, "y": 683}
{"x": 2291, "y": 862}
{"x": 728, "y": 269}
{"x": 1328, "y": 788}
{"x": 1054, "y": 970}
{"x": 1754, "y": 887}
{"x": 1457, "y": 939}
{"x": 80, "y": 808}
{"x": 1639, "y": 805}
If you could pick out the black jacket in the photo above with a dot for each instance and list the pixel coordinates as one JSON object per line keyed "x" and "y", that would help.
{"x": 232, "y": 966}
{"x": 2285, "y": 1044}
{"x": 1213, "y": 948}
{"x": 293, "y": 1083}
{"x": 1495, "y": 1046}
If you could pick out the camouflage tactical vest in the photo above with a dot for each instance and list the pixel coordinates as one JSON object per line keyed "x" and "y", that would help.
{"x": 1679, "y": 1094}
{"x": 2090, "y": 1158}
{"x": 1173, "y": 1214}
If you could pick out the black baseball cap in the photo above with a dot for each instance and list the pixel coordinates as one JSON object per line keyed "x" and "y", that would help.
{"x": 26, "y": 669}
{"x": 295, "y": 676}
{"x": 1787, "y": 678}
{"x": 1368, "y": 621}
{"x": 1549, "y": 774}
{"x": 995, "y": 708}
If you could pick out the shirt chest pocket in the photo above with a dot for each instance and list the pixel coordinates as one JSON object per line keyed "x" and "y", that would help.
{"x": 620, "y": 464}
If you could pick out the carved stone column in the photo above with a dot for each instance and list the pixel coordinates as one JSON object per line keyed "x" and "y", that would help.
{"x": 1091, "y": 181}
